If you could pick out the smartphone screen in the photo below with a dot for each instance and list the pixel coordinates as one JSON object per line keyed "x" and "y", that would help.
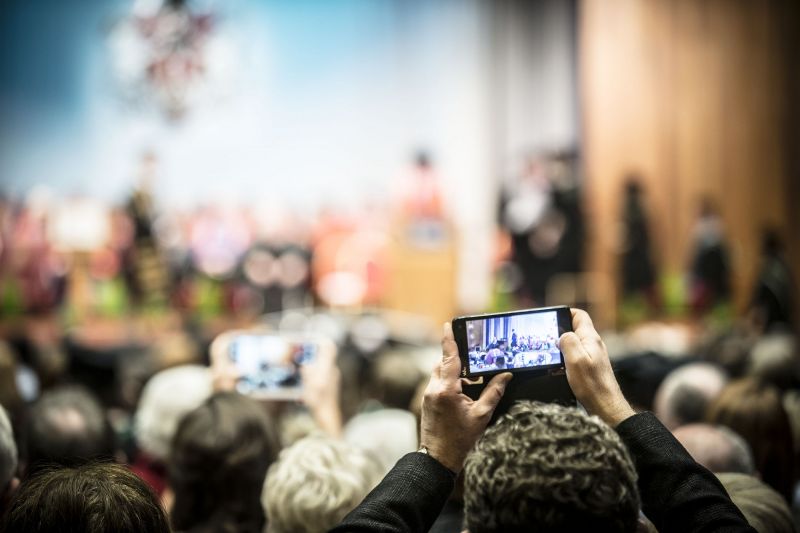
{"x": 269, "y": 365}
{"x": 511, "y": 342}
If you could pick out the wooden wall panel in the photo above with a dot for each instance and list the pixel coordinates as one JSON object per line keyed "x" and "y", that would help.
{"x": 690, "y": 95}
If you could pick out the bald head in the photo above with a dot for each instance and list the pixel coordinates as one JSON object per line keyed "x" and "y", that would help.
{"x": 686, "y": 393}
{"x": 716, "y": 447}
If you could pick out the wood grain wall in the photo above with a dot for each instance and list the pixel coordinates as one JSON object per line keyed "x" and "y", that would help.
{"x": 695, "y": 96}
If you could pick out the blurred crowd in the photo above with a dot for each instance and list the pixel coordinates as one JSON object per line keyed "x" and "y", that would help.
{"x": 112, "y": 332}
{"x": 218, "y": 460}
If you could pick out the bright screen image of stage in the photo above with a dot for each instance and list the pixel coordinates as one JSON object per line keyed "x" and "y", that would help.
{"x": 513, "y": 342}
{"x": 267, "y": 362}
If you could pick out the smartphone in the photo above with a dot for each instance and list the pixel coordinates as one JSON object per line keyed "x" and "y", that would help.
{"x": 268, "y": 365}
{"x": 517, "y": 341}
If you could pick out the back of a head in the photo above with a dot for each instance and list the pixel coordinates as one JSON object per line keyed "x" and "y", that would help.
{"x": 395, "y": 377}
{"x": 547, "y": 468}
{"x": 218, "y": 462}
{"x": 684, "y": 395}
{"x": 165, "y": 399}
{"x": 315, "y": 483}
{"x": 10, "y": 397}
{"x": 8, "y": 454}
{"x": 68, "y": 426}
{"x": 91, "y": 498}
{"x": 716, "y": 447}
{"x": 754, "y": 410}
{"x": 774, "y": 360}
{"x": 388, "y": 434}
{"x": 763, "y": 508}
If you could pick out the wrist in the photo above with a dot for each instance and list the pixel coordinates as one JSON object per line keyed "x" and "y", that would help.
{"x": 615, "y": 414}
{"x": 451, "y": 463}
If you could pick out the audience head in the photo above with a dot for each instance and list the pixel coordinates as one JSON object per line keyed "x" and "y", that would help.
{"x": 67, "y": 426}
{"x": 395, "y": 378}
{"x": 773, "y": 359}
{"x": 89, "y": 498}
{"x": 166, "y": 398}
{"x": 754, "y": 410}
{"x": 219, "y": 458}
{"x": 544, "y": 467}
{"x": 315, "y": 483}
{"x": 684, "y": 395}
{"x": 10, "y": 397}
{"x": 716, "y": 447}
{"x": 387, "y": 434}
{"x": 8, "y": 457}
{"x": 763, "y": 508}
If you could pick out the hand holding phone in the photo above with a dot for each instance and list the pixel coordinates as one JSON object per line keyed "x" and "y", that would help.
{"x": 590, "y": 374}
{"x": 267, "y": 365}
{"x": 525, "y": 343}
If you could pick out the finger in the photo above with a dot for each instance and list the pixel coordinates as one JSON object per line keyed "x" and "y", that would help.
{"x": 450, "y": 368}
{"x": 327, "y": 352}
{"x": 582, "y": 325}
{"x": 572, "y": 348}
{"x": 492, "y": 394}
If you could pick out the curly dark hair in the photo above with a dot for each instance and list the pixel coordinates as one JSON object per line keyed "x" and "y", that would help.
{"x": 545, "y": 467}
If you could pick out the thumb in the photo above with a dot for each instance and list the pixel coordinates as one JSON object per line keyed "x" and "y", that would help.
{"x": 492, "y": 394}
{"x": 450, "y": 368}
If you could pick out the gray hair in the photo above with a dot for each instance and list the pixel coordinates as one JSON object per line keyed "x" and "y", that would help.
{"x": 8, "y": 451}
{"x": 315, "y": 483}
{"x": 549, "y": 467}
{"x": 774, "y": 359}
{"x": 717, "y": 448}
{"x": 165, "y": 400}
{"x": 686, "y": 393}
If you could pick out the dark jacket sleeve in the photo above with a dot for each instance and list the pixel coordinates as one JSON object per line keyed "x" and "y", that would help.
{"x": 678, "y": 494}
{"x": 408, "y": 499}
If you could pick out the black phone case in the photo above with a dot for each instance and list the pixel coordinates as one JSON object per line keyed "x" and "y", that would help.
{"x": 548, "y": 386}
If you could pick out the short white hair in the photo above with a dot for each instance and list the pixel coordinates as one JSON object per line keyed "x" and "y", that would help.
{"x": 315, "y": 483}
{"x": 165, "y": 400}
{"x": 388, "y": 434}
{"x": 8, "y": 451}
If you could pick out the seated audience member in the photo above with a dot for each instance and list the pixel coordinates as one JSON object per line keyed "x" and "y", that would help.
{"x": 314, "y": 483}
{"x": 677, "y": 493}
{"x": 754, "y": 410}
{"x": 774, "y": 360}
{"x": 545, "y": 467}
{"x": 89, "y": 498}
{"x": 67, "y": 426}
{"x": 388, "y": 434}
{"x": 386, "y": 427}
{"x": 219, "y": 458}
{"x": 394, "y": 379}
{"x": 764, "y": 508}
{"x": 8, "y": 460}
{"x": 165, "y": 399}
{"x": 10, "y": 397}
{"x": 684, "y": 395}
{"x": 717, "y": 448}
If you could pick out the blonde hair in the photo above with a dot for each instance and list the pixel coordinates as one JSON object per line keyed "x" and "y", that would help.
{"x": 315, "y": 483}
{"x": 165, "y": 400}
